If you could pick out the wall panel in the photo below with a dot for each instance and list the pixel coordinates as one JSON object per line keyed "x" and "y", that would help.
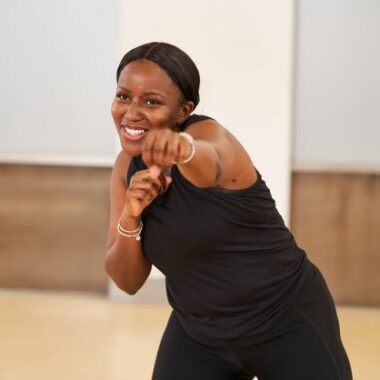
{"x": 53, "y": 223}
{"x": 336, "y": 219}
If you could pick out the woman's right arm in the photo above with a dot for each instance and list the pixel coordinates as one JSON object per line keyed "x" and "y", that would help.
{"x": 125, "y": 262}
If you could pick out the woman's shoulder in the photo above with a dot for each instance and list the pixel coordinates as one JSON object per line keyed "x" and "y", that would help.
{"x": 204, "y": 127}
{"x": 122, "y": 161}
{"x": 239, "y": 168}
{"x": 194, "y": 118}
{"x": 121, "y": 167}
{"x": 208, "y": 128}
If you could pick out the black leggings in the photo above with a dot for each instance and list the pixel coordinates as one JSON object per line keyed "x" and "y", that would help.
{"x": 304, "y": 345}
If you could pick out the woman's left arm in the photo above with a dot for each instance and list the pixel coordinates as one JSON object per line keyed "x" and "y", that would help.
{"x": 214, "y": 156}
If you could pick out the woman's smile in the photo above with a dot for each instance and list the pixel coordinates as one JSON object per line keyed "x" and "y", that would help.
{"x": 133, "y": 133}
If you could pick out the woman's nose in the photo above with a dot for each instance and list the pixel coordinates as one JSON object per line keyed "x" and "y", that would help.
{"x": 132, "y": 112}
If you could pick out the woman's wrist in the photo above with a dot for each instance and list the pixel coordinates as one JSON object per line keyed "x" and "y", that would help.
{"x": 130, "y": 233}
{"x": 129, "y": 222}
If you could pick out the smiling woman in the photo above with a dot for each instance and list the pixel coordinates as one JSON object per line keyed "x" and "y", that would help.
{"x": 146, "y": 99}
{"x": 186, "y": 197}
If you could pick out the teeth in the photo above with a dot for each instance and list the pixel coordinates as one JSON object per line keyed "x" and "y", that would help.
{"x": 134, "y": 132}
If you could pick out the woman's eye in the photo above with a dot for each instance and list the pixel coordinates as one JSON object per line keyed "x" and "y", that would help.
{"x": 151, "y": 102}
{"x": 122, "y": 97}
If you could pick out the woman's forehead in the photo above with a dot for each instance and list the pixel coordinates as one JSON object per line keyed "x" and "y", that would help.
{"x": 144, "y": 73}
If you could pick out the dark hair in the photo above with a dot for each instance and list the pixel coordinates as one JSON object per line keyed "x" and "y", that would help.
{"x": 175, "y": 62}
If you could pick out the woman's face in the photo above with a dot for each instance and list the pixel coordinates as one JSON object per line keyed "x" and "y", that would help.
{"x": 146, "y": 99}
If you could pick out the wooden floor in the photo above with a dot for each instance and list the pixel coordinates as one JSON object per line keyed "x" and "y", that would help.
{"x": 69, "y": 336}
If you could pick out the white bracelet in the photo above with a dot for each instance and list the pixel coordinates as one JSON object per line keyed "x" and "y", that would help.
{"x": 139, "y": 228}
{"x": 130, "y": 233}
{"x": 190, "y": 139}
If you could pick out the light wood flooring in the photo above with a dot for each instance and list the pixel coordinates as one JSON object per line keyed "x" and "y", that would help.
{"x": 71, "y": 336}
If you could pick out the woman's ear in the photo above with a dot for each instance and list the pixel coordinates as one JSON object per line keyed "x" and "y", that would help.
{"x": 185, "y": 111}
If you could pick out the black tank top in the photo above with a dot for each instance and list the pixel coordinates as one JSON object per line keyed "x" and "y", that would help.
{"x": 231, "y": 265}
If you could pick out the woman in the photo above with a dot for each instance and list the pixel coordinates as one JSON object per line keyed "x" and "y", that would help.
{"x": 186, "y": 197}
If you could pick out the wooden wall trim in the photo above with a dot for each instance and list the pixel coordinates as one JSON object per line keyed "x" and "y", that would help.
{"x": 335, "y": 217}
{"x": 53, "y": 227}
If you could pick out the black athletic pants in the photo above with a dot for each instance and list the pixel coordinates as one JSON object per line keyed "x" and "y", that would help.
{"x": 304, "y": 345}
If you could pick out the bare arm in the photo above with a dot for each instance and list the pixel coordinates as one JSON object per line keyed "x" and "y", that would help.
{"x": 125, "y": 262}
{"x": 219, "y": 159}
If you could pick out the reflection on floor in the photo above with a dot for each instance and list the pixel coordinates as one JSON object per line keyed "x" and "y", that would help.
{"x": 67, "y": 336}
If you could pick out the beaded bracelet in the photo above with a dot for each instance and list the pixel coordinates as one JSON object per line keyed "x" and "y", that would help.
{"x": 130, "y": 233}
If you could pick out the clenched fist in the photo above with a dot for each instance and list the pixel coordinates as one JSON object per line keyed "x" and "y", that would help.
{"x": 163, "y": 147}
{"x": 145, "y": 186}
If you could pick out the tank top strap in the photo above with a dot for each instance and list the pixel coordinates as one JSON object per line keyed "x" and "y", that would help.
{"x": 193, "y": 119}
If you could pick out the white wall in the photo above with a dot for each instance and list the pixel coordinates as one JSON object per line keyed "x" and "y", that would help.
{"x": 57, "y": 69}
{"x": 338, "y": 84}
